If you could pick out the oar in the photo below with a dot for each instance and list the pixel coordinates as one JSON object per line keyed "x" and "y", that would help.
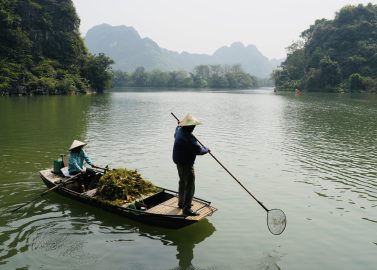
{"x": 45, "y": 192}
{"x": 276, "y": 219}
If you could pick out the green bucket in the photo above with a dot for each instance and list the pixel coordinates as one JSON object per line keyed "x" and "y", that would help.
{"x": 58, "y": 164}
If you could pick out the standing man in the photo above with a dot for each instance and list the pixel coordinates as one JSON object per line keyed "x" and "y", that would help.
{"x": 185, "y": 150}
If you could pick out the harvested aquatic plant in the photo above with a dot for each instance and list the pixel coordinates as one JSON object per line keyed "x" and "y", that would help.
{"x": 124, "y": 185}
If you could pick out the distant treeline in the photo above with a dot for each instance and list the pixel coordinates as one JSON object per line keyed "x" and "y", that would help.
{"x": 42, "y": 52}
{"x": 337, "y": 55}
{"x": 203, "y": 76}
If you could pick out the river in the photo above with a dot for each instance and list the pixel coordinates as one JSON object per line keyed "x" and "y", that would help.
{"x": 313, "y": 156}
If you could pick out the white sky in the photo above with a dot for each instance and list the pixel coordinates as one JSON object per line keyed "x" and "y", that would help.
{"x": 202, "y": 26}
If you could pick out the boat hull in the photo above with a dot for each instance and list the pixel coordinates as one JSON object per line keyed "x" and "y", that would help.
{"x": 164, "y": 214}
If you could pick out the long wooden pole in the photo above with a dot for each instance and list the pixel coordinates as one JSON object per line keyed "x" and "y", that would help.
{"x": 45, "y": 192}
{"x": 260, "y": 203}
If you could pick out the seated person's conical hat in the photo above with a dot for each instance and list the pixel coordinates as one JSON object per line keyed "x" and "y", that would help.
{"x": 76, "y": 144}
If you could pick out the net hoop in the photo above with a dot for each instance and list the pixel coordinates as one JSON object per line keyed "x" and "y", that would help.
{"x": 276, "y": 221}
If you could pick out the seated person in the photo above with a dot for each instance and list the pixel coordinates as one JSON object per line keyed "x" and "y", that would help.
{"x": 76, "y": 164}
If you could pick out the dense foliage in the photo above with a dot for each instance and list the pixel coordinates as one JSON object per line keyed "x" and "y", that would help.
{"x": 121, "y": 185}
{"x": 203, "y": 76}
{"x": 41, "y": 51}
{"x": 334, "y": 55}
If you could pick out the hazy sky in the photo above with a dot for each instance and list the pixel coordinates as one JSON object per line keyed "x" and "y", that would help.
{"x": 202, "y": 26}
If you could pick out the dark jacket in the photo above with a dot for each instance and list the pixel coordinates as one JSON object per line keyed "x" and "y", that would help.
{"x": 186, "y": 147}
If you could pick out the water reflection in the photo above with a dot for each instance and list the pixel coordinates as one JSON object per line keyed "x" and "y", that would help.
{"x": 269, "y": 262}
{"x": 330, "y": 140}
{"x": 57, "y": 230}
{"x": 274, "y": 143}
{"x": 35, "y": 130}
{"x": 186, "y": 239}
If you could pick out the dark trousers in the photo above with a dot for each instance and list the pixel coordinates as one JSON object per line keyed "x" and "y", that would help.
{"x": 86, "y": 178}
{"x": 186, "y": 187}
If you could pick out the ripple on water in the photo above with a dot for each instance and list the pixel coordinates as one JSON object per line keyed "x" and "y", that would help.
{"x": 319, "y": 157}
{"x": 48, "y": 237}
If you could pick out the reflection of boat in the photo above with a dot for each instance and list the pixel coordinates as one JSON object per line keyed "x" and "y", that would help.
{"x": 186, "y": 239}
{"x": 297, "y": 92}
{"x": 159, "y": 209}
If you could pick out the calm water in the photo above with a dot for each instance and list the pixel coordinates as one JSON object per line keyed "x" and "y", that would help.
{"x": 313, "y": 156}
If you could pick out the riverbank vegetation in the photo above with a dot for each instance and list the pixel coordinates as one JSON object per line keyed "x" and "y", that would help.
{"x": 203, "y": 76}
{"x": 41, "y": 51}
{"x": 337, "y": 55}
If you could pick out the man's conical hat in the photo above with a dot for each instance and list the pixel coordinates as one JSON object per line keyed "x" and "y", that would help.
{"x": 189, "y": 120}
{"x": 76, "y": 144}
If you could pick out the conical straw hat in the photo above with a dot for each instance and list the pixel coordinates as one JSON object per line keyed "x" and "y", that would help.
{"x": 76, "y": 144}
{"x": 189, "y": 120}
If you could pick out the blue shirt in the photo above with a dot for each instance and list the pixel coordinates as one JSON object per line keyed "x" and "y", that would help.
{"x": 186, "y": 147}
{"x": 76, "y": 161}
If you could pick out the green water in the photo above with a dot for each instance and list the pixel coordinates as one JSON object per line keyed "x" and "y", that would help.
{"x": 312, "y": 156}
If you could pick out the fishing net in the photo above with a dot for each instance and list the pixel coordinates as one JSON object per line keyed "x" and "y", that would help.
{"x": 276, "y": 221}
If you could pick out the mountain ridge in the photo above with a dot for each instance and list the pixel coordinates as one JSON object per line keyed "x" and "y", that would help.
{"x": 129, "y": 51}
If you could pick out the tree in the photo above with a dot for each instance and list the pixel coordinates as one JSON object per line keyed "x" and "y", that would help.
{"x": 331, "y": 51}
{"x": 157, "y": 78}
{"x": 177, "y": 79}
{"x": 356, "y": 82}
{"x": 200, "y": 76}
{"x": 330, "y": 74}
{"x": 140, "y": 77}
{"x": 41, "y": 49}
{"x": 120, "y": 79}
{"x": 203, "y": 76}
{"x": 97, "y": 71}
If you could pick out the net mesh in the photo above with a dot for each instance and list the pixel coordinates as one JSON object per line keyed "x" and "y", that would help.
{"x": 276, "y": 221}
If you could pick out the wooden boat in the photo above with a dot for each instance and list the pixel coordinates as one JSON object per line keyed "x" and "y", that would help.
{"x": 159, "y": 209}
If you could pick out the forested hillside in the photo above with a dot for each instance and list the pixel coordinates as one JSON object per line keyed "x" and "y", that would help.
{"x": 334, "y": 55}
{"x": 41, "y": 51}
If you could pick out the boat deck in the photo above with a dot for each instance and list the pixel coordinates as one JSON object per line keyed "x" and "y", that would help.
{"x": 170, "y": 207}
{"x": 52, "y": 177}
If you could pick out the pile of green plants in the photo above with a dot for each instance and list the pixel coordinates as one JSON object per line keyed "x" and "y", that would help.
{"x": 121, "y": 185}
